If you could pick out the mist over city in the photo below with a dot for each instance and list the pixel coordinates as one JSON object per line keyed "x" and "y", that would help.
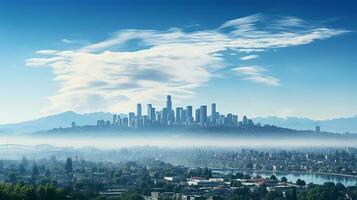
{"x": 182, "y": 100}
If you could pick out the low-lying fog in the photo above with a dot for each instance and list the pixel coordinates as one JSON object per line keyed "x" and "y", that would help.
{"x": 112, "y": 141}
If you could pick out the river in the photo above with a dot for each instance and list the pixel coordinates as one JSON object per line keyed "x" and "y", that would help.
{"x": 315, "y": 178}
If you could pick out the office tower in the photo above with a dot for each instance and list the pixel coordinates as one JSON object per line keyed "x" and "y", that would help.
{"x": 217, "y": 119}
{"x": 167, "y": 112}
{"x": 153, "y": 115}
{"x": 229, "y": 120}
{"x": 179, "y": 115}
{"x": 125, "y": 122}
{"x": 189, "y": 117}
{"x": 138, "y": 110}
{"x": 245, "y": 121}
{"x": 222, "y": 120}
{"x": 164, "y": 116}
{"x": 119, "y": 121}
{"x": 250, "y": 123}
{"x": 114, "y": 120}
{"x": 159, "y": 117}
{"x": 171, "y": 117}
{"x": 318, "y": 129}
{"x": 184, "y": 116}
{"x": 203, "y": 115}
{"x": 149, "y": 107}
{"x": 213, "y": 114}
{"x": 197, "y": 116}
{"x": 145, "y": 121}
{"x": 100, "y": 123}
{"x": 168, "y": 103}
{"x": 131, "y": 122}
{"x": 235, "y": 120}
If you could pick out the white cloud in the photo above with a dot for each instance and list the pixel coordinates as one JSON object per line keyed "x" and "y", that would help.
{"x": 45, "y": 52}
{"x": 250, "y": 50}
{"x": 256, "y": 74}
{"x": 249, "y": 57}
{"x": 69, "y": 41}
{"x": 103, "y": 76}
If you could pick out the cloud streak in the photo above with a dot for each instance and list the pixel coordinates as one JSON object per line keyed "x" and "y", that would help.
{"x": 256, "y": 74}
{"x": 249, "y": 57}
{"x": 105, "y": 75}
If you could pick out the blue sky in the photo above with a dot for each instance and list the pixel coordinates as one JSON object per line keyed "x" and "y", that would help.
{"x": 256, "y": 58}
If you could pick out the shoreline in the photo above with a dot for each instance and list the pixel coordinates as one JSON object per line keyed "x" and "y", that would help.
{"x": 296, "y": 172}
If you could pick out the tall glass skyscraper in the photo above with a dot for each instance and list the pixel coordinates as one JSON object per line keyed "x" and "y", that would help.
{"x": 138, "y": 110}
{"x": 203, "y": 115}
{"x": 213, "y": 114}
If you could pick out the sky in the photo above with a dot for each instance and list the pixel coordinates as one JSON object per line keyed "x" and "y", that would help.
{"x": 254, "y": 58}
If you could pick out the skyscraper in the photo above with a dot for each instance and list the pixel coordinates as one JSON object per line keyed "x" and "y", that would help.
{"x": 235, "y": 120}
{"x": 179, "y": 115}
{"x": 164, "y": 116}
{"x": 245, "y": 121}
{"x": 197, "y": 115}
{"x": 184, "y": 116}
{"x": 189, "y": 117}
{"x": 114, "y": 120}
{"x": 203, "y": 116}
{"x": 153, "y": 114}
{"x": 168, "y": 102}
{"x": 138, "y": 110}
{"x": 229, "y": 120}
{"x": 131, "y": 121}
{"x": 149, "y": 107}
{"x": 317, "y": 129}
{"x": 213, "y": 114}
{"x": 169, "y": 112}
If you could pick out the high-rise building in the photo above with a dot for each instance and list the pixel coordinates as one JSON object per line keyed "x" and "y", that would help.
{"x": 131, "y": 122}
{"x": 179, "y": 115}
{"x": 170, "y": 113}
{"x": 197, "y": 116}
{"x": 250, "y": 123}
{"x": 153, "y": 114}
{"x": 164, "y": 117}
{"x": 318, "y": 129}
{"x": 245, "y": 120}
{"x": 114, "y": 120}
{"x": 184, "y": 116}
{"x": 149, "y": 107}
{"x": 159, "y": 116}
{"x": 213, "y": 113}
{"x": 235, "y": 120}
{"x": 138, "y": 110}
{"x": 203, "y": 116}
{"x": 229, "y": 120}
{"x": 168, "y": 102}
{"x": 125, "y": 122}
{"x": 222, "y": 120}
{"x": 189, "y": 117}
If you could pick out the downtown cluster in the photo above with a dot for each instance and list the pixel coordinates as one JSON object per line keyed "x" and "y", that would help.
{"x": 180, "y": 117}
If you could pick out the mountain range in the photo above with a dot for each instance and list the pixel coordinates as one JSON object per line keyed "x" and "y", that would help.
{"x": 339, "y": 125}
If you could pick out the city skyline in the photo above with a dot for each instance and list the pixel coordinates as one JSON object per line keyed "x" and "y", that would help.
{"x": 170, "y": 116}
{"x": 257, "y": 58}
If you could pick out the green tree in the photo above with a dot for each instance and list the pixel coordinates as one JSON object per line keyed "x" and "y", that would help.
{"x": 300, "y": 183}
{"x": 284, "y": 179}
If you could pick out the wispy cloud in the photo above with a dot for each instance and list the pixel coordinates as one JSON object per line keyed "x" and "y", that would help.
{"x": 102, "y": 75}
{"x": 256, "y": 74}
{"x": 69, "y": 41}
{"x": 249, "y": 57}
